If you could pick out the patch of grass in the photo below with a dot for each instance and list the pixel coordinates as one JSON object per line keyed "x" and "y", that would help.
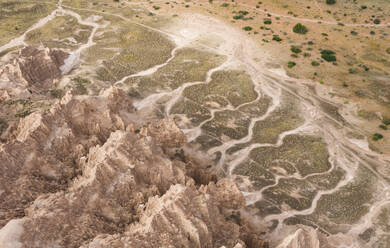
{"x": 80, "y": 85}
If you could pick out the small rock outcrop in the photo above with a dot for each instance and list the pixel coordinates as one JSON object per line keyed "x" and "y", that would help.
{"x": 41, "y": 66}
{"x": 32, "y": 69}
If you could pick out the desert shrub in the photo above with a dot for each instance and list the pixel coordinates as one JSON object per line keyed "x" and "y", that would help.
{"x": 384, "y": 127}
{"x": 267, "y": 21}
{"x": 377, "y": 136}
{"x": 291, "y": 64}
{"x": 315, "y": 63}
{"x": 386, "y": 121}
{"x": 352, "y": 71}
{"x": 247, "y": 28}
{"x": 377, "y": 21}
{"x": 295, "y": 49}
{"x": 299, "y": 28}
{"x": 306, "y": 55}
{"x": 330, "y": 2}
{"x": 276, "y": 38}
{"x": 388, "y": 50}
{"x": 328, "y": 55}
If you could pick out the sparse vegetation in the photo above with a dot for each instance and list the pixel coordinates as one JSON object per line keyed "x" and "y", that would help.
{"x": 80, "y": 85}
{"x": 57, "y": 93}
{"x": 330, "y": 2}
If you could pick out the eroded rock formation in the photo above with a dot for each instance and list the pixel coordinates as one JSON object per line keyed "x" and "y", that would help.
{"x": 83, "y": 174}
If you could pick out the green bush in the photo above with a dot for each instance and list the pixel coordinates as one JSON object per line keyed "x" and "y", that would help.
{"x": 377, "y": 136}
{"x": 330, "y": 2}
{"x": 247, "y": 28}
{"x": 386, "y": 121}
{"x": 384, "y": 127}
{"x": 267, "y": 21}
{"x": 291, "y": 64}
{"x": 276, "y": 38}
{"x": 295, "y": 49}
{"x": 300, "y": 29}
{"x": 352, "y": 71}
{"x": 315, "y": 63}
{"x": 328, "y": 55}
{"x": 388, "y": 50}
{"x": 377, "y": 21}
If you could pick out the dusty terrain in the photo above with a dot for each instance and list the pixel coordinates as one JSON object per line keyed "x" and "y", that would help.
{"x": 188, "y": 124}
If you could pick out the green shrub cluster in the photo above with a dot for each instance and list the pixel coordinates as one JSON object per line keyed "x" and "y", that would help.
{"x": 299, "y": 28}
{"x": 328, "y": 55}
